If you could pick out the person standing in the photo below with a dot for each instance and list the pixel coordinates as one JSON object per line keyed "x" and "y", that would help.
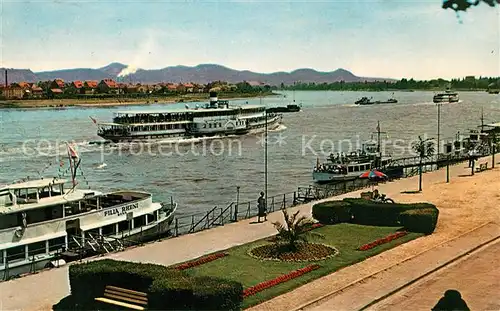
{"x": 261, "y": 204}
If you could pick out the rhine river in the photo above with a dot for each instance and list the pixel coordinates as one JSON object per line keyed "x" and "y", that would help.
{"x": 204, "y": 174}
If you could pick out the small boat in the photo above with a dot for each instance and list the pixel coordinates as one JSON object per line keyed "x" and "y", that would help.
{"x": 493, "y": 91}
{"x": 48, "y": 222}
{"x": 288, "y": 108}
{"x": 447, "y": 97}
{"x": 367, "y": 101}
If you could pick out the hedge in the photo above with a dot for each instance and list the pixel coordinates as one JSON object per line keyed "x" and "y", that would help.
{"x": 332, "y": 212}
{"x": 422, "y": 218}
{"x": 168, "y": 289}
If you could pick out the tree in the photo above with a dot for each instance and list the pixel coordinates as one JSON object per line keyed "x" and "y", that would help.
{"x": 425, "y": 149}
{"x": 294, "y": 230}
{"x": 463, "y": 5}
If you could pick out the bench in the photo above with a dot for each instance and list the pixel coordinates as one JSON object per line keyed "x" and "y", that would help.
{"x": 482, "y": 167}
{"x": 124, "y": 297}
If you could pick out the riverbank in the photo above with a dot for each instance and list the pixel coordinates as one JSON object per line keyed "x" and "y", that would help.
{"x": 121, "y": 101}
{"x": 464, "y": 203}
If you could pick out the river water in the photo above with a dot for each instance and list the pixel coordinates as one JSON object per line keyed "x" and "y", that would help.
{"x": 205, "y": 173}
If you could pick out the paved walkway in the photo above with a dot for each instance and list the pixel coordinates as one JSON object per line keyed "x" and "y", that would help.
{"x": 476, "y": 277}
{"x": 376, "y": 286}
{"x": 42, "y": 290}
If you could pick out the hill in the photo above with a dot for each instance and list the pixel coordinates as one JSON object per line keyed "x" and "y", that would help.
{"x": 203, "y": 73}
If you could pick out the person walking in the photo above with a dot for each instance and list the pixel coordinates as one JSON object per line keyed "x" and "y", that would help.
{"x": 261, "y": 204}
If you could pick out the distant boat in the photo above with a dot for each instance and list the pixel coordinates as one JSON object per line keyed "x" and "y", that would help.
{"x": 288, "y": 108}
{"x": 367, "y": 101}
{"x": 447, "y": 97}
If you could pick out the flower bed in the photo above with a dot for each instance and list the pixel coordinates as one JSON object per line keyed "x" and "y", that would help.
{"x": 200, "y": 261}
{"x": 383, "y": 240}
{"x": 281, "y": 279}
{"x": 304, "y": 252}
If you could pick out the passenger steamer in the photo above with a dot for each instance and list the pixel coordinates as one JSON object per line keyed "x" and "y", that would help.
{"x": 40, "y": 220}
{"x": 214, "y": 119}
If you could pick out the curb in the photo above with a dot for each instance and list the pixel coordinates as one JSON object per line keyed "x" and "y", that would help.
{"x": 444, "y": 265}
{"x": 325, "y": 296}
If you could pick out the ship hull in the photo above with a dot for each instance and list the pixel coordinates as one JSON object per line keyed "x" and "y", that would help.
{"x": 150, "y": 232}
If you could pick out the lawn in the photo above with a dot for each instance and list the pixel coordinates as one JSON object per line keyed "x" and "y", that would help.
{"x": 346, "y": 238}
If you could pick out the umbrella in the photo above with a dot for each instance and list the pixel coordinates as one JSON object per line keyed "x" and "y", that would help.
{"x": 373, "y": 174}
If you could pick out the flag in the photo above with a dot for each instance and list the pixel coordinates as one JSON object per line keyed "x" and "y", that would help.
{"x": 72, "y": 152}
{"x": 61, "y": 164}
{"x": 93, "y": 120}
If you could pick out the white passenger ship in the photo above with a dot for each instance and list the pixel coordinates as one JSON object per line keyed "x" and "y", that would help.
{"x": 40, "y": 220}
{"x": 214, "y": 119}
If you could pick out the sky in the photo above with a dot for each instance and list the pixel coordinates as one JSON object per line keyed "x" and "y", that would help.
{"x": 386, "y": 38}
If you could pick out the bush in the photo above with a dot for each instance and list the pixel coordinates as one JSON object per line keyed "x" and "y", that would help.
{"x": 216, "y": 294}
{"x": 415, "y": 217}
{"x": 367, "y": 212}
{"x": 423, "y": 220}
{"x": 168, "y": 289}
{"x": 332, "y": 212}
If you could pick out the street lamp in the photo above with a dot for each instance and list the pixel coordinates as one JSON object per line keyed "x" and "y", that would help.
{"x": 439, "y": 127}
{"x": 265, "y": 159}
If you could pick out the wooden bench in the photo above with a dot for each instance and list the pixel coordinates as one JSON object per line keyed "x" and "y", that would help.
{"x": 124, "y": 297}
{"x": 482, "y": 167}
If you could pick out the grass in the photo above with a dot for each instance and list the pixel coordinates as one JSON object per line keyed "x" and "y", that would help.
{"x": 346, "y": 238}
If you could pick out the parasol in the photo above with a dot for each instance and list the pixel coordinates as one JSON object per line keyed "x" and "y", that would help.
{"x": 373, "y": 174}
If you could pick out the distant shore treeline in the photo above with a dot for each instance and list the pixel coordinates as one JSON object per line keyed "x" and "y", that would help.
{"x": 467, "y": 83}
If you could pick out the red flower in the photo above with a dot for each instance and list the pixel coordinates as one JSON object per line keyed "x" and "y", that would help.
{"x": 283, "y": 278}
{"x": 200, "y": 261}
{"x": 382, "y": 240}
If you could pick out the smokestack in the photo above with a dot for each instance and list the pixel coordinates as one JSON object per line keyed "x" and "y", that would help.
{"x": 6, "y": 80}
{"x": 213, "y": 99}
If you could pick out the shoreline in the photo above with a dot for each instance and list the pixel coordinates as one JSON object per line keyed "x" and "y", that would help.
{"x": 115, "y": 102}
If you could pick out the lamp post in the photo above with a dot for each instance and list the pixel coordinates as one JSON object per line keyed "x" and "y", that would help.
{"x": 439, "y": 129}
{"x": 265, "y": 159}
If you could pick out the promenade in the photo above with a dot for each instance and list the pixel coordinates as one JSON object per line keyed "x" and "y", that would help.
{"x": 467, "y": 202}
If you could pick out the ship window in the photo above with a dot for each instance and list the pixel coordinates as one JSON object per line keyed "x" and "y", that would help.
{"x": 140, "y": 221}
{"x": 123, "y": 226}
{"x": 350, "y": 169}
{"x": 16, "y": 254}
{"x": 57, "y": 243}
{"x": 36, "y": 248}
{"x": 109, "y": 230}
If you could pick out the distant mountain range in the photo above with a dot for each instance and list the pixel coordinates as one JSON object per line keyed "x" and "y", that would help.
{"x": 199, "y": 74}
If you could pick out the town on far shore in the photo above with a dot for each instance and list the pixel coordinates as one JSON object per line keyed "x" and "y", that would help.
{"x": 109, "y": 88}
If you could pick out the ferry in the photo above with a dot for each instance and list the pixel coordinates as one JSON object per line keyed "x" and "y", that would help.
{"x": 217, "y": 118}
{"x": 447, "y": 97}
{"x": 48, "y": 222}
{"x": 343, "y": 167}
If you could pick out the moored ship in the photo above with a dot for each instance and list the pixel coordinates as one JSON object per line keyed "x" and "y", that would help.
{"x": 44, "y": 220}
{"x": 343, "y": 167}
{"x": 216, "y": 118}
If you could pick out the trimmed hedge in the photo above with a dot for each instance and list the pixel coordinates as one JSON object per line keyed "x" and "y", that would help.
{"x": 422, "y": 218}
{"x": 168, "y": 289}
{"x": 332, "y": 212}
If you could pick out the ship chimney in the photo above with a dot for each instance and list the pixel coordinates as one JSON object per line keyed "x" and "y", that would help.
{"x": 6, "y": 80}
{"x": 213, "y": 100}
